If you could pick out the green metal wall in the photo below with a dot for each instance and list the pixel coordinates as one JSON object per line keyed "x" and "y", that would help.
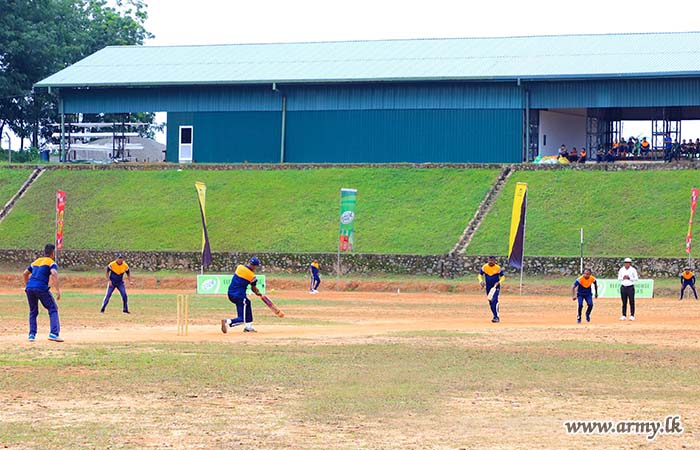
{"x": 228, "y": 137}
{"x": 379, "y": 136}
{"x": 455, "y": 135}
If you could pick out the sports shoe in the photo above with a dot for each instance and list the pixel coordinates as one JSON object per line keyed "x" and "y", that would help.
{"x": 224, "y": 326}
{"x": 31, "y": 337}
{"x": 311, "y": 291}
{"x": 623, "y": 318}
{"x": 578, "y": 320}
{"x": 588, "y": 318}
{"x": 126, "y": 312}
{"x": 250, "y": 330}
{"x": 55, "y": 338}
{"x": 631, "y": 317}
{"x": 495, "y": 320}
{"x": 102, "y": 310}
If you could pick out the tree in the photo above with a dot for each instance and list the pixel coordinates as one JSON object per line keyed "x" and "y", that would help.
{"x": 41, "y": 37}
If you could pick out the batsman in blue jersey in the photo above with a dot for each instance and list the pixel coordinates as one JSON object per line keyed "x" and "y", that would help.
{"x": 490, "y": 278}
{"x": 237, "y": 294}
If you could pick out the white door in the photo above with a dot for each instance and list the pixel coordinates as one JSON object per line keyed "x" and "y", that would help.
{"x": 185, "y": 154}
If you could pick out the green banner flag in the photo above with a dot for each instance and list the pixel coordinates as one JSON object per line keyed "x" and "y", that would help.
{"x": 218, "y": 284}
{"x": 348, "y": 198}
{"x": 643, "y": 288}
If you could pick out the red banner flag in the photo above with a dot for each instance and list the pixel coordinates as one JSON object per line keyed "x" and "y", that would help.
{"x": 693, "y": 204}
{"x": 60, "y": 208}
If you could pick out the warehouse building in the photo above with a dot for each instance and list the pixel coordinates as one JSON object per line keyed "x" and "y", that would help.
{"x": 429, "y": 100}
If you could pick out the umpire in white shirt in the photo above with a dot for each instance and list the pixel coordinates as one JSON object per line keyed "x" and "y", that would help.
{"x": 627, "y": 276}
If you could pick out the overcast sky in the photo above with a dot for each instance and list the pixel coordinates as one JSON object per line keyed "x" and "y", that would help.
{"x": 176, "y": 22}
{"x": 201, "y": 22}
{"x": 182, "y": 22}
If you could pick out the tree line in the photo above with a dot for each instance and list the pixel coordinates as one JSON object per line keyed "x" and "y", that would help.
{"x": 40, "y": 37}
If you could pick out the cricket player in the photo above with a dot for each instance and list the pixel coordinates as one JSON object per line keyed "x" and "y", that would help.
{"x": 490, "y": 277}
{"x": 688, "y": 279}
{"x": 584, "y": 283}
{"x": 242, "y": 277}
{"x": 36, "y": 281}
{"x": 315, "y": 278}
{"x": 115, "y": 280}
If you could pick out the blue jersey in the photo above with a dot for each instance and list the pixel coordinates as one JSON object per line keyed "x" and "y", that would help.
{"x": 117, "y": 271}
{"x": 314, "y": 269}
{"x": 491, "y": 274}
{"x": 41, "y": 271}
{"x": 242, "y": 277}
{"x": 584, "y": 285}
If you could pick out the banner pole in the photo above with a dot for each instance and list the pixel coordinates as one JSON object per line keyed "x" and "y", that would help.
{"x": 55, "y": 231}
{"x": 581, "y": 266}
{"x": 522, "y": 265}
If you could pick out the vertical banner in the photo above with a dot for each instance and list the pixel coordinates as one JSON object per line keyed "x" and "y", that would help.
{"x": 693, "y": 204}
{"x": 60, "y": 209}
{"x": 202, "y": 196}
{"x": 348, "y": 199}
{"x": 516, "y": 246}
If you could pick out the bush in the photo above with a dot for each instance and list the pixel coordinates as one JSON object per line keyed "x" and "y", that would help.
{"x": 25, "y": 156}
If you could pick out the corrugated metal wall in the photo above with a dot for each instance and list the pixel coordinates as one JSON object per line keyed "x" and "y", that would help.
{"x": 405, "y": 136}
{"x": 228, "y": 137}
{"x": 353, "y": 136}
{"x": 615, "y": 93}
{"x": 176, "y": 99}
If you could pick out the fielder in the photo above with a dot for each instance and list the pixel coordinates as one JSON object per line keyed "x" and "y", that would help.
{"x": 315, "y": 278}
{"x": 688, "y": 279}
{"x": 491, "y": 277}
{"x": 242, "y": 277}
{"x": 115, "y": 280}
{"x": 36, "y": 281}
{"x": 583, "y": 283}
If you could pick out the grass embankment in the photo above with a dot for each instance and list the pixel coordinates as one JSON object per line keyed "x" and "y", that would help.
{"x": 404, "y": 210}
{"x": 629, "y": 213}
{"x": 10, "y": 182}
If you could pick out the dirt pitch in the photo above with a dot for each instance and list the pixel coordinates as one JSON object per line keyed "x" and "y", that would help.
{"x": 493, "y": 418}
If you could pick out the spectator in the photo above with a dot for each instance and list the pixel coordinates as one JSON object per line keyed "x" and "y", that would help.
{"x": 637, "y": 147}
{"x": 668, "y": 144}
{"x": 573, "y": 156}
{"x": 562, "y": 150}
{"x": 582, "y": 155}
{"x": 600, "y": 155}
{"x": 645, "y": 146}
{"x": 622, "y": 148}
{"x": 630, "y": 146}
{"x": 610, "y": 156}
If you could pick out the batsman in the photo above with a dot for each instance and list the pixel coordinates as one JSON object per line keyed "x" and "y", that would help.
{"x": 491, "y": 277}
{"x": 244, "y": 276}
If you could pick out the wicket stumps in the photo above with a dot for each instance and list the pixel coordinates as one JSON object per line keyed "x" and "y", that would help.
{"x": 183, "y": 313}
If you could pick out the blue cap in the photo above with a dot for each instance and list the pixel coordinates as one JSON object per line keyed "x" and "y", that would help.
{"x": 254, "y": 261}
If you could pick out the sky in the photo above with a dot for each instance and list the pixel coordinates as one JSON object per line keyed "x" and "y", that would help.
{"x": 183, "y": 22}
{"x": 202, "y": 22}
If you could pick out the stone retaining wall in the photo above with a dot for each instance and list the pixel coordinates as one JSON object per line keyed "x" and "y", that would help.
{"x": 435, "y": 265}
{"x": 617, "y": 166}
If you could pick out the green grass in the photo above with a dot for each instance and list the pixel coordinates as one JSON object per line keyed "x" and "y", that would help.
{"x": 10, "y": 182}
{"x": 399, "y": 210}
{"x": 628, "y": 213}
{"x": 328, "y": 383}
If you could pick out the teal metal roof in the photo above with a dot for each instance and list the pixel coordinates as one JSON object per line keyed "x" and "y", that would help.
{"x": 509, "y": 58}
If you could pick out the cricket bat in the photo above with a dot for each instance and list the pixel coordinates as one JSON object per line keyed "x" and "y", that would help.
{"x": 491, "y": 293}
{"x": 272, "y": 306}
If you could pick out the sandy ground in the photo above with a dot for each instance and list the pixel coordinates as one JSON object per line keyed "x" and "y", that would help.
{"x": 391, "y": 316}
